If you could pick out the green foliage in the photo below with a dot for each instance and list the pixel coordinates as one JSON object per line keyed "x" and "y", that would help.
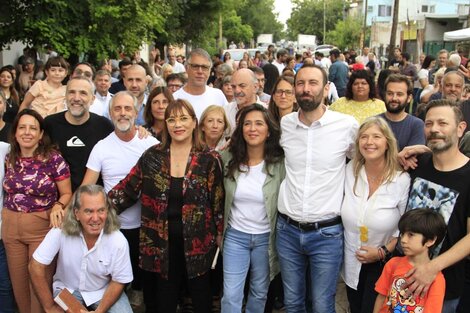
{"x": 307, "y": 17}
{"x": 97, "y": 27}
{"x": 190, "y": 21}
{"x": 234, "y": 29}
{"x": 259, "y": 15}
{"x": 346, "y": 33}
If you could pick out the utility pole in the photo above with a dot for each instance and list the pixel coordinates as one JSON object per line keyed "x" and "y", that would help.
{"x": 220, "y": 31}
{"x": 364, "y": 26}
{"x": 393, "y": 37}
{"x": 324, "y": 21}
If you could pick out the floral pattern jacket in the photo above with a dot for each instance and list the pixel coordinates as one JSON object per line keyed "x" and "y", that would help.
{"x": 202, "y": 212}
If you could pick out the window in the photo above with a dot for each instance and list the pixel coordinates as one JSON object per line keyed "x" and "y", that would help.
{"x": 370, "y": 9}
{"x": 427, "y": 8}
{"x": 385, "y": 10}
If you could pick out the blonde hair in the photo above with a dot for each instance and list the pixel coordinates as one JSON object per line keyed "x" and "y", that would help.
{"x": 391, "y": 154}
{"x": 210, "y": 109}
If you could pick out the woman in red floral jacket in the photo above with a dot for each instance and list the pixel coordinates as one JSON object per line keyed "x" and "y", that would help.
{"x": 180, "y": 186}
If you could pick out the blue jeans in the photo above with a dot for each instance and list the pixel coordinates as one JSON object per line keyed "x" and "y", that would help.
{"x": 120, "y": 306}
{"x": 6, "y": 293}
{"x": 241, "y": 252}
{"x": 323, "y": 250}
{"x": 450, "y": 306}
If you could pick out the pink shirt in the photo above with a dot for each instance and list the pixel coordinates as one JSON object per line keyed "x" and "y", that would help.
{"x": 31, "y": 185}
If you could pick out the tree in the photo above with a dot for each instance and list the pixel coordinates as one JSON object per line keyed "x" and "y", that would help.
{"x": 82, "y": 26}
{"x": 234, "y": 29}
{"x": 189, "y": 21}
{"x": 307, "y": 17}
{"x": 346, "y": 33}
{"x": 259, "y": 15}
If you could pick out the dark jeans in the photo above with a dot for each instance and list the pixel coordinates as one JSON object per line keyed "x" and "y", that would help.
{"x": 132, "y": 236}
{"x": 362, "y": 300}
{"x": 6, "y": 292}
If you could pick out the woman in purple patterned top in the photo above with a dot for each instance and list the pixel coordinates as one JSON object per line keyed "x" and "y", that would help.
{"x": 37, "y": 188}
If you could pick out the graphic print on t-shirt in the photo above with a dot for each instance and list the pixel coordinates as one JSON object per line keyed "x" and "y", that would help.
{"x": 426, "y": 194}
{"x": 75, "y": 142}
{"x": 397, "y": 300}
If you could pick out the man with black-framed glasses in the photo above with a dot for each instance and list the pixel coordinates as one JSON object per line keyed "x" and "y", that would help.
{"x": 196, "y": 90}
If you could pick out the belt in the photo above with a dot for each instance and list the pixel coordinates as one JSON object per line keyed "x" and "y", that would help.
{"x": 311, "y": 226}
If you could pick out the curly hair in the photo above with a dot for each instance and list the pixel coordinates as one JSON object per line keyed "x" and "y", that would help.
{"x": 273, "y": 151}
{"x": 361, "y": 74}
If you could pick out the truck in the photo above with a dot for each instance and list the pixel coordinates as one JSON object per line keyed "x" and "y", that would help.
{"x": 306, "y": 42}
{"x": 264, "y": 40}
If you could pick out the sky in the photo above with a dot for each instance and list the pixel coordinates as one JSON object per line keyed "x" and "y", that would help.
{"x": 284, "y": 9}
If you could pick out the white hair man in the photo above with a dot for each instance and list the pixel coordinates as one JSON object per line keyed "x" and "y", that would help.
{"x": 93, "y": 256}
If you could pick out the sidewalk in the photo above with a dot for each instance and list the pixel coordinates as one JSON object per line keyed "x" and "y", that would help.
{"x": 342, "y": 305}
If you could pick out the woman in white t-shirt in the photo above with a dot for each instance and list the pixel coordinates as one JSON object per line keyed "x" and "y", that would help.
{"x": 423, "y": 74}
{"x": 375, "y": 197}
{"x": 254, "y": 170}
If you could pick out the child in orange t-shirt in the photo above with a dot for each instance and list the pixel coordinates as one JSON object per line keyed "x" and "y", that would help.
{"x": 420, "y": 231}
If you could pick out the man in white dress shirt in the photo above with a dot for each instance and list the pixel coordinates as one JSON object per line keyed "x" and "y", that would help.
{"x": 102, "y": 82}
{"x": 316, "y": 142}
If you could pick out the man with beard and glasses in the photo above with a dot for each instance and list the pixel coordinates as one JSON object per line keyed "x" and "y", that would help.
{"x": 113, "y": 157}
{"x": 441, "y": 181}
{"x": 76, "y": 130}
{"x": 408, "y": 129}
{"x": 245, "y": 86}
{"x": 309, "y": 231}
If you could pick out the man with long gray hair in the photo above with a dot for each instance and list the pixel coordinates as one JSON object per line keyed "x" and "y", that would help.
{"x": 93, "y": 256}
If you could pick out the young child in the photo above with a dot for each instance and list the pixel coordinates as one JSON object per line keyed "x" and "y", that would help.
{"x": 48, "y": 96}
{"x": 420, "y": 231}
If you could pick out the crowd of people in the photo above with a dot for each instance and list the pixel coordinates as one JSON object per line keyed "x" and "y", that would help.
{"x": 202, "y": 184}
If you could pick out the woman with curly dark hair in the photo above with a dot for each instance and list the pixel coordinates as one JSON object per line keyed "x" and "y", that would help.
{"x": 254, "y": 170}
{"x": 360, "y": 100}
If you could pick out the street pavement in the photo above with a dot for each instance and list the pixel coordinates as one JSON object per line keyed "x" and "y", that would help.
{"x": 342, "y": 305}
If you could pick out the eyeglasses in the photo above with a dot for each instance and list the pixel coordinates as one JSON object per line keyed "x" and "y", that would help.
{"x": 184, "y": 119}
{"x": 79, "y": 72}
{"x": 174, "y": 86}
{"x": 287, "y": 92}
{"x": 262, "y": 80}
{"x": 202, "y": 67}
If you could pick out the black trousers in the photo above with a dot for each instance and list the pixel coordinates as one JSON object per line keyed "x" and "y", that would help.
{"x": 362, "y": 300}
{"x": 167, "y": 291}
{"x": 132, "y": 236}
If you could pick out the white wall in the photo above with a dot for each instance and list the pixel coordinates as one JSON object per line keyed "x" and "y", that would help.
{"x": 11, "y": 54}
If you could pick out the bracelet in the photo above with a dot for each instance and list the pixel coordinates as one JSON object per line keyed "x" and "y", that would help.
{"x": 61, "y": 204}
{"x": 388, "y": 254}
